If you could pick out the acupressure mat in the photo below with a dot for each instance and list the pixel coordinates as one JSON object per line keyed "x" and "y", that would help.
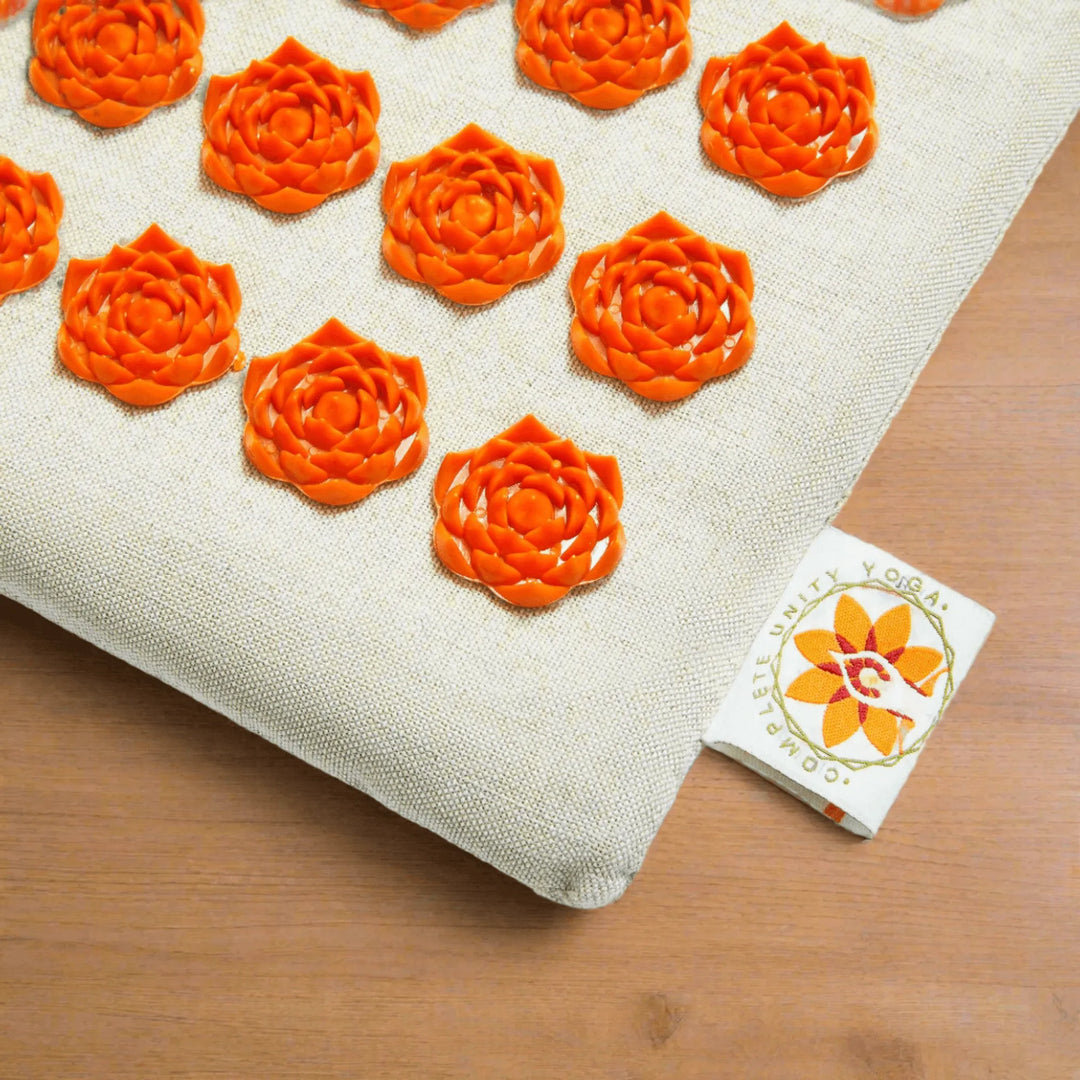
{"x": 550, "y": 743}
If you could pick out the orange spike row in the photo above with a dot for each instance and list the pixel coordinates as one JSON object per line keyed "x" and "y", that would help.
{"x": 788, "y": 114}
{"x": 473, "y": 217}
{"x": 663, "y": 309}
{"x": 149, "y": 319}
{"x": 529, "y": 515}
{"x": 603, "y": 53}
{"x": 30, "y": 211}
{"x": 291, "y": 130}
{"x": 424, "y": 14}
{"x": 910, "y": 8}
{"x": 335, "y": 416}
{"x": 113, "y": 61}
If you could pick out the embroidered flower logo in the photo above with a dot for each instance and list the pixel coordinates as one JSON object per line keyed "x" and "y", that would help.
{"x": 424, "y": 14}
{"x": 113, "y": 61}
{"x": 529, "y": 515}
{"x": 603, "y": 53}
{"x": 149, "y": 320}
{"x": 663, "y": 309}
{"x": 291, "y": 130}
{"x": 30, "y": 212}
{"x": 473, "y": 217}
{"x": 911, "y": 8}
{"x": 788, "y": 114}
{"x": 335, "y": 415}
{"x": 869, "y": 677}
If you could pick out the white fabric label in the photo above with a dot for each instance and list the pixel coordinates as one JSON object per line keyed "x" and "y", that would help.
{"x": 847, "y": 679}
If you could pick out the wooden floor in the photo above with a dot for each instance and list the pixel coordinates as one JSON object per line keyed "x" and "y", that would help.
{"x": 180, "y": 899}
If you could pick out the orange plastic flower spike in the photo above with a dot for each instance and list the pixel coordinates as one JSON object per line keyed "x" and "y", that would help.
{"x": 788, "y": 114}
{"x": 149, "y": 320}
{"x": 11, "y": 7}
{"x": 663, "y": 309}
{"x": 114, "y": 61}
{"x": 336, "y": 416}
{"x": 30, "y": 212}
{"x": 424, "y": 14}
{"x": 291, "y": 130}
{"x": 473, "y": 217}
{"x": 529, "y": 515}
{"x": 603, "y": 53}
{"x": 910, "y": 8}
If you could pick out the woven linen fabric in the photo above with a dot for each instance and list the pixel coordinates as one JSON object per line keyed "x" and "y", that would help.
{"x": 549, "y": 743}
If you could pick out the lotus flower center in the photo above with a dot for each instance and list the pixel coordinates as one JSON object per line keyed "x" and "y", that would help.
{"x": 528, "y": 508}
{"x": 117, "y": 39}
{"x": 292, "y": 125}
{"x": 787, "y": 108}
{"x": 146, "y": 312}
{"x": 608, "y": 22}
{"x": 474, "y": 212}
{"x": 339, "y": 409}
{"x": 661, "y": 306}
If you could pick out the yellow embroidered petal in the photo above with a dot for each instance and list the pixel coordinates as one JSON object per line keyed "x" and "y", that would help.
{"x": 816, "y": 645}
{"x": 928, "y": 687}
{"x": 917, "y": 661}
{"x": 906, "y": 726}
{"x": 881, "y": 729}
{"x": 851, "y": 622}
{"x": 815, "y": 687}
{"x": 840, "y": 722}
{"x": 893, "y": 629}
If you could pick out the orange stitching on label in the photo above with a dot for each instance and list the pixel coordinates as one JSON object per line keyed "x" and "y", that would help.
{"x": 834, "y": 813}
{"x": 663, "y": 309}
{"x": 864, "y": 674}
{"x": 30, "y": 211}
{"x": 603, "y": 53}
{"x": 114, "y": 61}
{"x": 473, "y": 217}
{"x": 424, "y": 14}
{"x": 335, "y": 415}
{"x": 529, "y": 515}
{"x": 788, "y": 114}
{"x": 149, "y": 319}
{"x": 291, "y": 130}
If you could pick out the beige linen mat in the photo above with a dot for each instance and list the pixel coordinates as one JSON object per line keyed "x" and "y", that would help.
{"x": 549, "y": 743}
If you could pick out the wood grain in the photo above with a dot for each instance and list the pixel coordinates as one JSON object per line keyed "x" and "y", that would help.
{"x": 182, "y": 899}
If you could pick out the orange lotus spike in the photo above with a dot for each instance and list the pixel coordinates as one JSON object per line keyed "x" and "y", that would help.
{"x": 788, "y": 114}
{"x": 912, "y": 8}
{"x": 114, "y": 61}
{"x": 529, "y": 515}
{"x": 473, "y": 217}
{"x": 424, "y": 14}
{"x": 149, "y": 320}
{"x": 291, "y": 130}
{"x": 11, "y": 7}
{"x": 30, "y": 212}
{"x": 663, "y": 309}
{"x": 335, "y": 416}
{"x": 603, "y": 53}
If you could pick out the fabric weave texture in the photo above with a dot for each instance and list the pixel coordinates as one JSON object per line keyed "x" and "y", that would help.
{"x": 551, "y": 742}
